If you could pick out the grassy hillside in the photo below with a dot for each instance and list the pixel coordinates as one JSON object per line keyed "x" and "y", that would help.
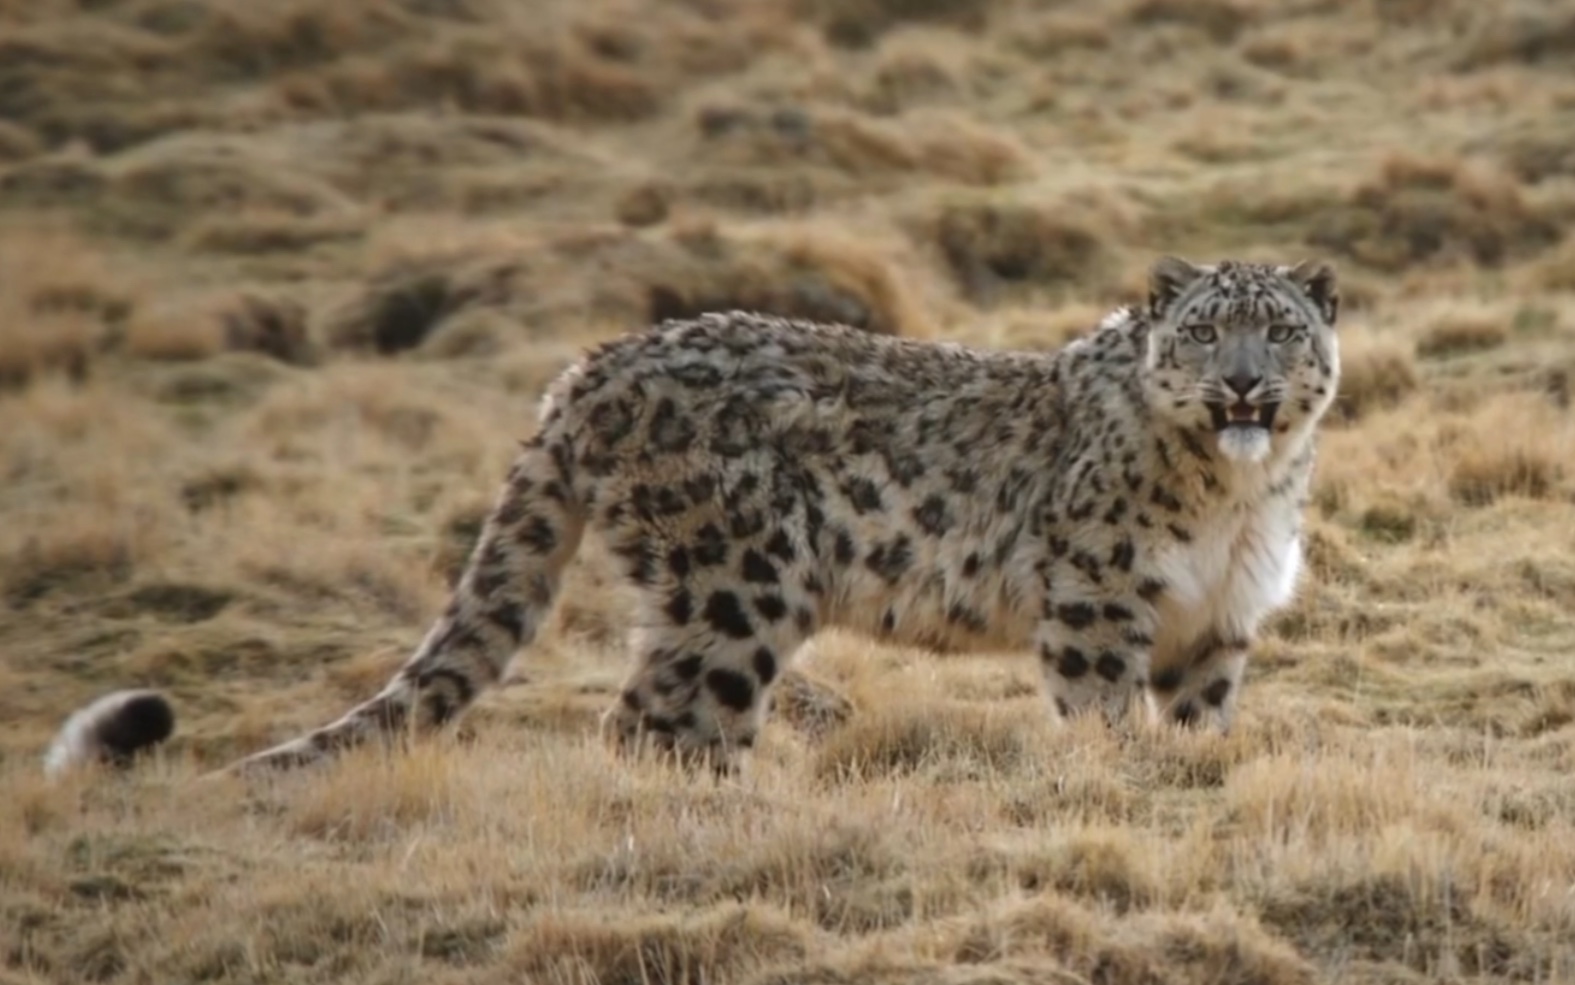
{"x": 281, "y": 281}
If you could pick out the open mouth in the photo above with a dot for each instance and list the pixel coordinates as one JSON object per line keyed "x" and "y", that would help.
{"x": 1242, "y": 415}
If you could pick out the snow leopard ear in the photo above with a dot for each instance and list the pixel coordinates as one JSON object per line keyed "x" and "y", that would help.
{"x": 1166, "y": 280}
{"x": 1317, "y": 281}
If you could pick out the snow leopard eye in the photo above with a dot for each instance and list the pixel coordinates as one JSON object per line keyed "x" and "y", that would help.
{"x": 1281, "y": 334}
{"x": 1202, "y": 334}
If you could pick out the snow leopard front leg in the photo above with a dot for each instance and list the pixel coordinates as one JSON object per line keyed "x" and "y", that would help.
{"x": 1200, "y": 691}
{"x": 1094, "y": 640}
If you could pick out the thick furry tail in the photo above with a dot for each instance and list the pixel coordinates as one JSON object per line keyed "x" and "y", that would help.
{"x": 503, "y": 597}
{"x": 112, "y": 730}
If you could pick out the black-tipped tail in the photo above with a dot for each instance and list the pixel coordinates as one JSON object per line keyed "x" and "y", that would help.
{"x": 112, "y": 730}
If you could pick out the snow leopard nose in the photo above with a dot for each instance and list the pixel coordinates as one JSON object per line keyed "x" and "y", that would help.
{"x": 1242, "y": 383}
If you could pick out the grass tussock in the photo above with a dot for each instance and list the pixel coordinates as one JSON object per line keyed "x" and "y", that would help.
{"x": 1529, "y": 37}
{"x": 716, "y": 945}
{"x": 1552, "y": 273}
{"x": 68, "y": 64}
{"x": 1222, "y": 21}
{"x": 995, "y": 248}
{"x": 803, "y": 273}
{"x": 17, "y": 143}
{"x": 481, "y": 74}
{"x": 861, "y": 23}
{"x": 280, "y": 285}
{"x": 1533, "y": 154}
{"x": 377, "y": 795}
{"x": 957, "y": 740}
{"x": 934, "y": 143}
{"x": 914, "y": 70}
{"x": 1047, "y": 936}
{"x": 1059, "y": 33}
{"x": 1374, "y": 373}
{"x": 602, "y": 69}
{"x": 272, "y": 325}
{"x": 405, "y": 303}
{"x": 88, "y": 554}
{"x": 1462, "y": 333}
{"x": 1431, "y": 210}
{"x": 60, "y": 303}
{"x": 481, "y": 299}
{"x": 171, "y": 333}
{"x": 290, "y": 36}
{"x": 1410, "y": 487}
{"x": 1514, "y": 448}
{"x": 31, "y": 348}
{"x": 1100, "y": 867}
{"x": 269, "y": 230}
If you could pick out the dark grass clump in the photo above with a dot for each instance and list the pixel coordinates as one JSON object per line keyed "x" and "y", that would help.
{"x": 407, "y": 301}
{"x": 1518, "y": 35}
{"x": 477, "y": 298}
{"x": 1420, "y": 211}
{"x": 862, "y": 23}
{"x": 273, "y": 325}
{"x": 999, "y": 249}
{"x": 804, "y": 276}
{"x": 1381, "y": 918}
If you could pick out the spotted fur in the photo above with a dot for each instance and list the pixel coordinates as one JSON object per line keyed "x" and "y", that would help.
{"x": 1127, "y": 508}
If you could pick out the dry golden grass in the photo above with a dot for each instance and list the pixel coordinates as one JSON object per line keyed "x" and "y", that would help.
{"x": 58, "y": 303}
{"x": 1462, "y": 332}
{"x": 280, "y": 284}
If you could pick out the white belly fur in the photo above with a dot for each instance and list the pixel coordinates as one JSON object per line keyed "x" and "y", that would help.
{"x": 1228, "y": 578}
